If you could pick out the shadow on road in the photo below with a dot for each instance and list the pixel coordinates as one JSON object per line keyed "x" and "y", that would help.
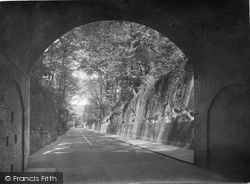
{"x": 110, "y": 161}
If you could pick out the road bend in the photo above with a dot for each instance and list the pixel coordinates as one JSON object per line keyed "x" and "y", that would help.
{"x": 88, "y": 157}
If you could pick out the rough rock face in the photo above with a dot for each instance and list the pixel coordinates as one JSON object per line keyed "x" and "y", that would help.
{"x": 162, "y": 111}
{"x": 44, "y": 124}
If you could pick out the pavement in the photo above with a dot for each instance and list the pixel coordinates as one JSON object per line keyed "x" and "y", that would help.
{"x": 181, "y": 154}
{"x": 88, "y": 157}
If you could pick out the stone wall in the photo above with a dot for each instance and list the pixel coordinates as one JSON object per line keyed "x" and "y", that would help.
{"x": 228, "y": 116}
{"x": 162, "y": 111}
{"x": 44, "y": 124}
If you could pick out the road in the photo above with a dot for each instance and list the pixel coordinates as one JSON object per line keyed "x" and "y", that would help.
{"x": 87, "y": 157}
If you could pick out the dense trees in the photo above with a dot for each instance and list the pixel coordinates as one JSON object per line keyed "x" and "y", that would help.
{"x": 54, "y": 72}
{"x": 121, "y": 56}
{"x": 118, "y": 58}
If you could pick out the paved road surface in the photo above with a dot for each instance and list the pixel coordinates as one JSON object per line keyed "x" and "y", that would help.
{"x": 86, "y": 157}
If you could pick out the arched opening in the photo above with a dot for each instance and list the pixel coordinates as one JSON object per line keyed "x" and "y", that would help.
{"x": 12, "y": 128}
{"x": 213, "y": 35}
{"x": 228, "y": 131}
{"x": 22, "y": 129}
{"x": 127, "y": 70}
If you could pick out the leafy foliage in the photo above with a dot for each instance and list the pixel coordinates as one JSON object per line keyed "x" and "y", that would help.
{"x": 118, "y": 57}
{"x": 54, "y": 72}
{"x": 122, "y": 55}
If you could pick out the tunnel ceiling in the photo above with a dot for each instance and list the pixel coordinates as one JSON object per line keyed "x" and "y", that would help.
{"x": 28, "y": 28}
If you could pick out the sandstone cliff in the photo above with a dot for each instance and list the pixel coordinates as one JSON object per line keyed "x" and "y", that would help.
{"x": 44, "y": 124}
{"x": 162, "y": 111}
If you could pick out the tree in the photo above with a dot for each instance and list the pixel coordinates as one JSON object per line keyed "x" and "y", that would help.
{"x": 54, "y": 72}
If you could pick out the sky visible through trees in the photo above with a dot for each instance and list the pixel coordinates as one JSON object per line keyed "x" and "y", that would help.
{"x": 104, "y": 64}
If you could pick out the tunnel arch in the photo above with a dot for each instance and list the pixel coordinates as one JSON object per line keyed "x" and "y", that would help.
{"x": 67, "y": 29}
{"x": 212, "y": 34}
{"x": 182, "y": 54}
{"x": 51, "y": 20}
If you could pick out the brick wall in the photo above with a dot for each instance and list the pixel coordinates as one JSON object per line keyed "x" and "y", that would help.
{"x": 11, "y": 113}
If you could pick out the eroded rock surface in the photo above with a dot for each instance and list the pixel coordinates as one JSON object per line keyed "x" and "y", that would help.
{"x": 162, "y": 111}
{"x": 44, "y": 124}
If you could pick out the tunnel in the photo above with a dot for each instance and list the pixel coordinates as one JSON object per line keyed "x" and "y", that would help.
{"x": 212, "y": 34}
